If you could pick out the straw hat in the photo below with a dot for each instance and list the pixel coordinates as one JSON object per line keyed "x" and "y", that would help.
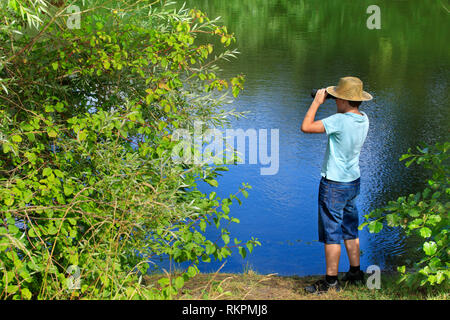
{"x": 349, "y": 88}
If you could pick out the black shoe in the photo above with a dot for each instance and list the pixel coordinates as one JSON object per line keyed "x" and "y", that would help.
{"x": 323, "y": 286}
{"x": 354, "y": 277}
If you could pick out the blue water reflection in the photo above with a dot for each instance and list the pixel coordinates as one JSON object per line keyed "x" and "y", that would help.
{"x": 286, "y": 50}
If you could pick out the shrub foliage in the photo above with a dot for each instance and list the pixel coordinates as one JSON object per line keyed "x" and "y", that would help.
{"x": 90, "y": 195}
{"x": 425, "y": 218}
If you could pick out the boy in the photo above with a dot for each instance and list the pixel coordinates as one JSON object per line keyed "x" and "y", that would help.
{"x": 340, "y": 183}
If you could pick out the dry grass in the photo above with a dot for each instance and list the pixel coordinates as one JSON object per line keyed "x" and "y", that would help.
{"x": 252, "y": 286}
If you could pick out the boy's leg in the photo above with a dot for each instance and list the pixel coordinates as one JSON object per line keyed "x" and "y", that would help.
{"x": 330, "y": 220}
{"x": 332, "y": 199}
{"x": 332, "y": 255}
{"x": 354, "y": 275}
{"x": 352, "y": 247}
{"x": 351, "y": 239}
{"x": 350, "y": 228}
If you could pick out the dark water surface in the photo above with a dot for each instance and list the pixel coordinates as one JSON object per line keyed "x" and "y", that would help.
{"x": 289, "y": 47}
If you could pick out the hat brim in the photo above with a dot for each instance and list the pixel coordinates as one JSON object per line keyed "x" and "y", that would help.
{"x": 365, "y": 96}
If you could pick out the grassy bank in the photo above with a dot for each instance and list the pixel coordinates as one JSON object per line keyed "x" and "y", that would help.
{"x": 252, "y": 286}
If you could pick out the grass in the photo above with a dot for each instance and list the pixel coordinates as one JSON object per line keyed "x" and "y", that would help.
{"x": 252, "y": 286}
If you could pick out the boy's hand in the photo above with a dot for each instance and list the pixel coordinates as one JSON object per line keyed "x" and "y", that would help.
{"x": 320, "y": 96}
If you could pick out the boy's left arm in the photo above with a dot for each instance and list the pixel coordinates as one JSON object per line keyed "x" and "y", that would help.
{"x": 309, "y": 125}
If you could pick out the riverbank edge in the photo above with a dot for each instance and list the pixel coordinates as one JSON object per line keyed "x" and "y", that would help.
{"x": 253, "y": 286}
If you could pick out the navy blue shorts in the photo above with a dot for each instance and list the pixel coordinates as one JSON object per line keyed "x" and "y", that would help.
{"x": 338, "y": 215}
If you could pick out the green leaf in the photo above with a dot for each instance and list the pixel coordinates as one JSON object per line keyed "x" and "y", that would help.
{"x": 432, "y": 279}
{"x": 225, "y": 238}
{"x": 225, "y": 252}
{"x": 212, "y": 182}
{"x": 47, "y": 171}
{"x": 191, "y": 271}
{"x": 52, "y": 230}
{"x": 179, "y": 282}
{"x": 235, "y": 91}
{"x": 433, "y": 219}
{"x": 242, "y": 252}
{"x": 440, "y": 277}
{"x": 225, "y": 208}
{"x": 161, "y": 125}
{"x": 16, "y": 138}
{"x": 59, "y": 107}
{"x": 164, "y": 282}
{"x": 55, "y": 66}
{"x": 413, "y": 213}
{"x": 375, "y": 226}
{"x": 425, "y": 232}
{"x": 34, "y": 232}
{"x": 31, "y": 136}
{"x": 210, "y": 248}
{"x": 6, "y": 148}
{"x": 436, "y": 195}
{"x": 416, "y": 223}
{"x": 392, "y": 220}
{"x": 68, "y": 190}
{"x": 167, "y": 108}
{"x": 52, "y": 133}
{"x": 409, "y": 162}
{"x": 149, "y": 98}
{"x": 31, "y": 157}
{"x": 26, "y": 293}
{"x": 404, "y": 156}
{"x": 12, "y": 229}
{"x": 12, "y": 4}
{"x": 430, "y": 248}
{"x": 9, "y": 200}
{"x": 82, "y": 135}
{"x": 12, "y": 289}
{"x": 58, "y": 173}
{"x": 362, "y": 226}
{"x": 426, "y": 193}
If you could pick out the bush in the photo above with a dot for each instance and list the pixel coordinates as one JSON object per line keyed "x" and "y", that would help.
{"x": 89, "y": 192}
{"x": 424, "y": 215}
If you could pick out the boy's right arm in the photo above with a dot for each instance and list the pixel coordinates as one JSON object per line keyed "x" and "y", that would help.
{"x": 309, "y": 125}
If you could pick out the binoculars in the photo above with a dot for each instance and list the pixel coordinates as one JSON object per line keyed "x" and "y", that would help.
{"x": 314, "y": 91}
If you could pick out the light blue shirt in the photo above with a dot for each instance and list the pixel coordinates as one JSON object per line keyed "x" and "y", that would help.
{"x": 346, "y": 134}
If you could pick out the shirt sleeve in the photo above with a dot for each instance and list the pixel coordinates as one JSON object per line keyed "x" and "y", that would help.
{"x": 332, "y": 124}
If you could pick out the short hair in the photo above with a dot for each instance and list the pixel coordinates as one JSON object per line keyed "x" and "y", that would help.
{"x": 354, "y": 104}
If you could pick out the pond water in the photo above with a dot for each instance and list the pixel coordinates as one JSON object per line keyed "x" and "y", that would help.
{"x": 289, "y": 47}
